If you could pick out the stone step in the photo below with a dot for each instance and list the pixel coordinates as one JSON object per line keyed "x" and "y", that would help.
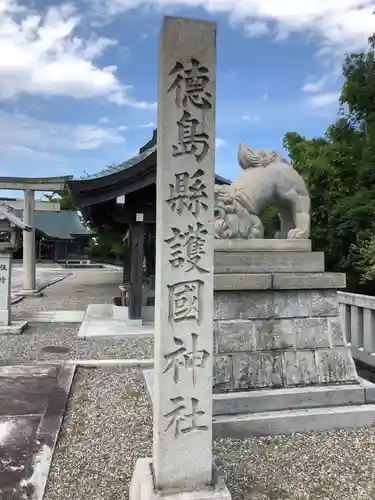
{"x": 266, "y": 400}
{"x": 260, "y": 245}
{"x": 232, "y": 262}
{"x": 284, "y": 411}
{"x": 279, "y": 281}
{"x": 291, "y": 421}
{"x": 294, "y": 398}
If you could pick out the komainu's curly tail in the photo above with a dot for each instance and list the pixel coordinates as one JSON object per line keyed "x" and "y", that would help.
{"x": 244, "y": 156}
{"x": 255, "y": 158}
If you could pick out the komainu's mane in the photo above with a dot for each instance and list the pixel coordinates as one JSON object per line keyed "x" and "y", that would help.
{"x": 255, "y": 158}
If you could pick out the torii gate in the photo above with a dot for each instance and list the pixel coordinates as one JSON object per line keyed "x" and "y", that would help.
{"x": 29, "y": 186}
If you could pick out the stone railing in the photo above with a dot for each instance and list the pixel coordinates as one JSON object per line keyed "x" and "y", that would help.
{"x": 357, "y": 314}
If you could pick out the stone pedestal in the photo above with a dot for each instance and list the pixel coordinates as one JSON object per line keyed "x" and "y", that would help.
{"x": 277, "y": 329}
{"x": 142, "y": 486}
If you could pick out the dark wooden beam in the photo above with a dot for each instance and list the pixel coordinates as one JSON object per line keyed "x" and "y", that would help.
{"x": 126, "y": 277}
{"x": 127, "y": 215}
{"x": 137, "y": 238}
{"x": 150, "y": 249}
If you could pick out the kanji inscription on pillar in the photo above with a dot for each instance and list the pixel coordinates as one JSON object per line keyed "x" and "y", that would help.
{"x": 184, "y": 254}
{"x": 183, "y": 358}
{"x": 181, "y": 421}
{"x": 185, "y": 301}
{"x": 187, "y": 248}
{"x": 187, "y": 193}
{"x": 190, "y": 84}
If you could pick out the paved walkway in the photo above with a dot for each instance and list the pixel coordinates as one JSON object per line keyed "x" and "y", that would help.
{"x": 32, "y": 405}
{"x": 44, "y": 278}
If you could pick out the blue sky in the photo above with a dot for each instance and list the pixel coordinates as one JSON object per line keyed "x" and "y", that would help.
{"x": 78, "y": 80}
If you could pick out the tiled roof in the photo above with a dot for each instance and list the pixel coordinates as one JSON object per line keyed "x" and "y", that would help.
{"x": 63, "y": 225}
{"x": 130, "y": 163}
{"x": 122, "y": 166}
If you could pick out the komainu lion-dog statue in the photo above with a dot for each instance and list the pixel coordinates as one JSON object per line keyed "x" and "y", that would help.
{"x": 267, "y": 179}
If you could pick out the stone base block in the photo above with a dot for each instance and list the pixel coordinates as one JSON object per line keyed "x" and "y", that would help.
{"x": 296, "y": 398}
{"x": 260, "y": 245}
{"x": 268, "y": 262}
{"x": 279, "y": 281}
{"x": 63, "y": 316}
{"x": 291, "y": 421}
{"x": 98, "y": 321}
{"x": 15, "y": 328}
{"x": 279, "y": 338}
{"x": 121, "y": 313}
{"x": 142, "y": 486}
{"x": 262, "y": 370}
{"x": 275, "y": 304}
{"x": 29, "y": 293}
{"x": 266, "y": 400}
{"x": 284, "y": 411}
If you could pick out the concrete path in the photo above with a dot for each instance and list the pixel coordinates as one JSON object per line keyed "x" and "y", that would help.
{"x": 44, "y": 278}
{"x": 32, "y": 405}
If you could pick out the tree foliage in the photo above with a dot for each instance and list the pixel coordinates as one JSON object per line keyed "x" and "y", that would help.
{"x": 339, "y": 169}
{"x": 64, "y": 197}
{"x": 107, "y": 244}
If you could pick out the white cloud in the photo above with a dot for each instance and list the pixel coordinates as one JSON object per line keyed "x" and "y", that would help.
{"x": 250, "y": 118}
{"x": 147, "y": 125}
{"x": 256, "y": 28}
{"x": 316, "y": 86}
{"x": 92, "y": 137}
{"x": 338, "y": 25}
{"x": 324, "y": 99}
{"x": 220, "y": 143}
{"x": 23, "y": 136}
{"x": 30, "y": 154}
{"x": 103, "y": 120}
{"x": 43, "y": 54}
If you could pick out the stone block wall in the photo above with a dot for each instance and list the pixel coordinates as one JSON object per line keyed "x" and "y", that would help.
{"x": 279, "y": 338}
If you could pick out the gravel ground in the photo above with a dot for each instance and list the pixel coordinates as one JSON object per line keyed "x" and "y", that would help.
{"x": 108, "y": 426}
{"x": 29, "y": 346}
{"x": 83, "y": 287}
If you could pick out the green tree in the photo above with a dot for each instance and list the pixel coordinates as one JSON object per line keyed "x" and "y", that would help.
{"x": 107, "y": 244}
{"x": 64, "y": 197}
{"x": 271, "y": 221}
{"x": 339, "y": 170}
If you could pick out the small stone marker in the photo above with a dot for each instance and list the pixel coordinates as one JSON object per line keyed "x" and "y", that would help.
{"x": 182, "y": 461}
{"x": 10, "y": 225}
{"x": 5, "y": 288}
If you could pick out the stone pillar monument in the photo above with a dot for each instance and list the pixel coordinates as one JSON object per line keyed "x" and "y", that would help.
{"x": 182, "y": 453}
